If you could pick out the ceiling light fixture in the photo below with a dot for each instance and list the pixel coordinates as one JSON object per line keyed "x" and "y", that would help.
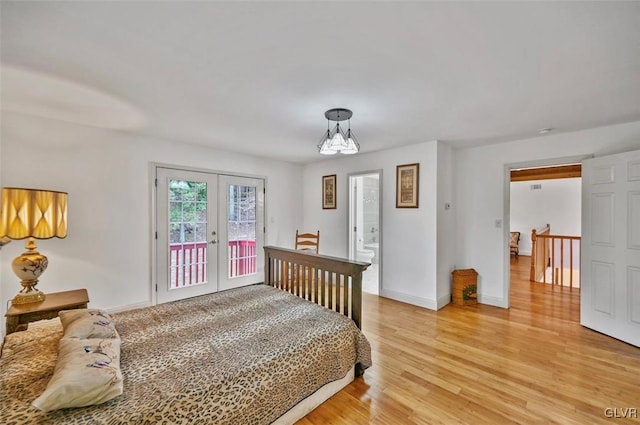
{"x": 335, "y": 140}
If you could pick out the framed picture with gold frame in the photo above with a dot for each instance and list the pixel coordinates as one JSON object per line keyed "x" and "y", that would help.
{"x": 329, "y": 192}
{"x": 407, "y": 181}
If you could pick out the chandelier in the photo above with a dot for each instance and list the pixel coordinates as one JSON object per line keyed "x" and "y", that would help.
{"x": 335, "y": 140}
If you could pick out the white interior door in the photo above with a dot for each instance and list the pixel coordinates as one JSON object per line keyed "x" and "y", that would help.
{"x": 186, "y": 211}
{"x": 610, "y": 270}
{"x": 241, "y": 235}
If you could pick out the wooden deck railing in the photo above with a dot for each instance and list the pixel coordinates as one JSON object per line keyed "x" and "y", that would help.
{"x": 188, "y": 261}
{"x": 334, "y": 283}
{"x": 550, "y": 251}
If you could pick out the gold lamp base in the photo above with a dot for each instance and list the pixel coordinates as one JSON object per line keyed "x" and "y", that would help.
{"x": 33, "y": 296}
{"x": 28, "y": 267}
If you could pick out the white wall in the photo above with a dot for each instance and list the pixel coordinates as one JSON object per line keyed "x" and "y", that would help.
{"x": 480, "y": 184}
{"x": 409, "y": 236}
{"x": 107, "y": 176}
{"x": 558, "y": 203}
{"x": 446, "y": 223}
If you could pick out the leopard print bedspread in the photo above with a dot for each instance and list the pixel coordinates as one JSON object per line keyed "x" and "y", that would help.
{"x": 243, "y": 356}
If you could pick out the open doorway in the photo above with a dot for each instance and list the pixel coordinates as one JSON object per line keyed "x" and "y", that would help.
{"x": 365, "y": 232}
{"x": 545, "y": 232}
{"x": 609, "y": 240}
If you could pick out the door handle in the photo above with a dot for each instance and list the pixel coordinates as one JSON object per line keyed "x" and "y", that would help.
{"x": 214, "y": 241}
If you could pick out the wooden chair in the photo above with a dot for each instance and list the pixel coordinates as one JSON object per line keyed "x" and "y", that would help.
{"x": 513, "y": 243}
{"x": 308, "y": 241}
{"x": 305, "y": 242}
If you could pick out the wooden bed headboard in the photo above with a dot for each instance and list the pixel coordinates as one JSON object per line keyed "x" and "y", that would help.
{"x": 332, "y": 282}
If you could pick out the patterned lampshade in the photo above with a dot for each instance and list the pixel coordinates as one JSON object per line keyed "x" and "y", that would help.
{"x": 33, "y": 213}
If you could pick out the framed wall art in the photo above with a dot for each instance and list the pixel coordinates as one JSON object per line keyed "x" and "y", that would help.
{"x": 407, "y": 181}
{"x": 329, "y": 192}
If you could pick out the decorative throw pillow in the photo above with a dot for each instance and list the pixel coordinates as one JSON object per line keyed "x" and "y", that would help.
{"x": 87, "y": 323}
{"x": 87, "y": 372}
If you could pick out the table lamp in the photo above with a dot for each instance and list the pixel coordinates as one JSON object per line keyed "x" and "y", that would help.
{"x": 32, "y": 214}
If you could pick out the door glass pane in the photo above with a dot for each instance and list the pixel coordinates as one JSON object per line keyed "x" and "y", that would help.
{"x": 187, "y": 233}
{"x": 242, "y": 230}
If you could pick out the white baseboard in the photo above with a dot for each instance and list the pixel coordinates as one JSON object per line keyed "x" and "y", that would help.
{"x": 127, "y": 307}
{"x": 444, "y": 300}
{"x": 494, "y": 301}
{"x": 441, "y": 302}
{"x": 409, "y": 299}
{"x": 525, "y": 253}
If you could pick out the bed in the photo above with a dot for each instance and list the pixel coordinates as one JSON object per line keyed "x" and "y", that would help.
{"x": 250, "y": 355}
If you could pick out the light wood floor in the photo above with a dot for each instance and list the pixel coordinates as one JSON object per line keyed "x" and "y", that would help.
{"x": 530, "y": 364}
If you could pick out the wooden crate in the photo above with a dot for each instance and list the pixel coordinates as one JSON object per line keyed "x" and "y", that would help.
{"x": 465, "y": 287}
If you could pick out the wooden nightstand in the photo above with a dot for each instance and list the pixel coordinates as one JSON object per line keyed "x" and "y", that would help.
{"x": 19, "y": 316}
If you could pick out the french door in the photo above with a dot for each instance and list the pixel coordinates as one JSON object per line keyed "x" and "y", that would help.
{"x": 210, "y": 232}
{"x": 242, "y": 230}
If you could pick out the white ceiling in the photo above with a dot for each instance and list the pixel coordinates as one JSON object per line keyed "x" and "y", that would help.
{"x": 256, "y": 77}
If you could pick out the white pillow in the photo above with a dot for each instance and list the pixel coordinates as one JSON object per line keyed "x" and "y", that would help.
{"x": 87, "y": 372}
{"x": 87, "y": 323}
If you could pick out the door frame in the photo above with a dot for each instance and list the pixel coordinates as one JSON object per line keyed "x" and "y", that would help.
{"x": 153, "y": 223}
{"x": 506, "y": 213}
{"x": 378, "y": 171}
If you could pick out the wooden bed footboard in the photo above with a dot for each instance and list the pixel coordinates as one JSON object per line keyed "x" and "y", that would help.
{"x": 332, "y": 282}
